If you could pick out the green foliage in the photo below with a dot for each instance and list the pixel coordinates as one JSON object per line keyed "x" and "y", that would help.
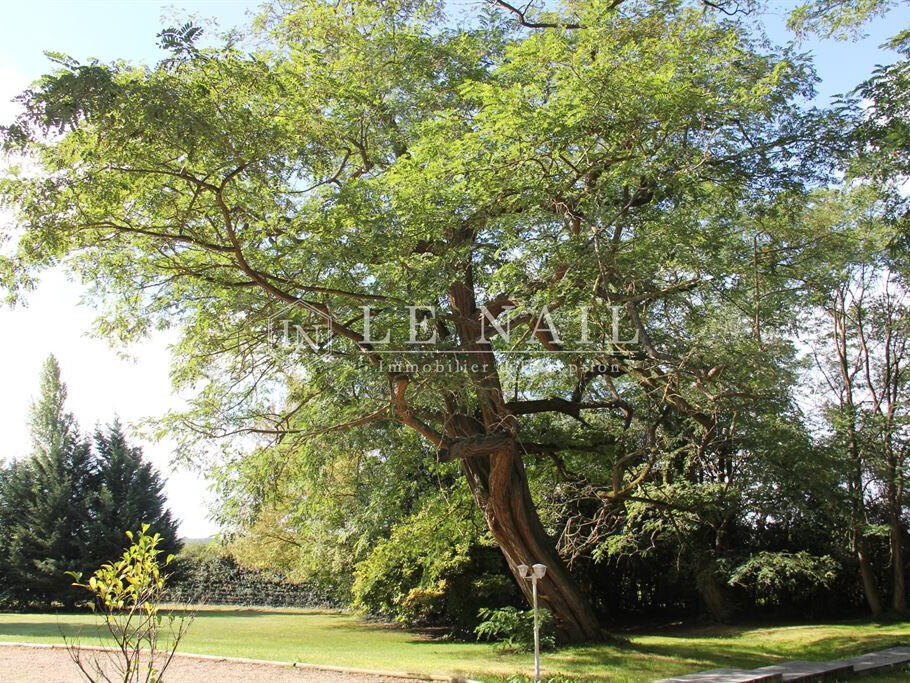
{"x": 882, "y": 137}
{"x": 134, "y": 583}
{"x": 49, "y": 498}
{"x": 657, "y": 161}
{"x": 442, "y": 580}
{"x": 513, "y": 629}
{"x": 298, "y": 527}
{"x": 13, "y": 489}
{"x": 212, "y": 578}
{"x": 180, "y": 40}
{"x": 130, "y": 494}
{"x": 839, "y": 19}
{"x": 779, "y": 578}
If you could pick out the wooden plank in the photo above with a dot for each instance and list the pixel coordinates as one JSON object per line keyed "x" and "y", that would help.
{"x": 725, "y": 676}
{"x": 810, "y": 671}
{"x": 882, "y": 660}
{"x": 791, "y": 672}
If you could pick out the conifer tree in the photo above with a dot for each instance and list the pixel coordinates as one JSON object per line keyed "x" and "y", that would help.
{"x": 13, "y": 489}
{"x": 54, "y": 494}
{"x": 130, "y": 494}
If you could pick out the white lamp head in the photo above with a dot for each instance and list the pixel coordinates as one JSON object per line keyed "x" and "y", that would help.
{"x": 524, "y": 571}
{"x": 540, "y": 570}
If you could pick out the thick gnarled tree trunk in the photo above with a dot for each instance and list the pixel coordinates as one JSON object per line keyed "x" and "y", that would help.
{"x": 500, "y": 487}
{"x": 486, "y": 445}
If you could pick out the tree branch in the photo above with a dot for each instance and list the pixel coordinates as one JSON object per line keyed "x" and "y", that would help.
{"x": 522, "y": 19}
{"x": 473, "y": 446}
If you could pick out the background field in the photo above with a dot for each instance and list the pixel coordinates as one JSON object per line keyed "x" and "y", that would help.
{"x": 345, "y": 640}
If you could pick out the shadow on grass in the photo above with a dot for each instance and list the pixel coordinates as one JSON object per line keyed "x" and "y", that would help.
{"x": 86, "y": 626}
{"x": 685, "y": 657}
{"x": 715, "y": 648}
{"x": 81, "y": 630}
{"x": 355, "y": 624}
{"x": 209, "y": 611}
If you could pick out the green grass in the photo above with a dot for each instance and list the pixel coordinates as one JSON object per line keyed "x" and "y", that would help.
{"x": 344, "y": 640}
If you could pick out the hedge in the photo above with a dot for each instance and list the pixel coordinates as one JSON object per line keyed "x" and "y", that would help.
{"x": 220, "y": 581}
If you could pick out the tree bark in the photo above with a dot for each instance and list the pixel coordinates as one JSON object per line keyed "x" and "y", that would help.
{"x": 895, "y": 494}
{"x": 898, "y": 594}
{"x": 713, "y": 594}
{"x": 484, "y": 440}
{"x": 870, "y": 587}
{"x": 500, "y": 487}
{"x": 860, "y": 545}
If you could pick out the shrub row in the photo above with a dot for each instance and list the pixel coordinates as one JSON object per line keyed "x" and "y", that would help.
{"x": 219, "y": 580}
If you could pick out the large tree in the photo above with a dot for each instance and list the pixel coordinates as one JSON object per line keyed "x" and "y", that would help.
{"x": 596, "y": 163}
{"x": 50, "y": 531}
{"x": 858, "y": 337}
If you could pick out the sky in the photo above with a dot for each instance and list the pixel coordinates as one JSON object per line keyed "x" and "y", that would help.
{"x": 100, "y": 381}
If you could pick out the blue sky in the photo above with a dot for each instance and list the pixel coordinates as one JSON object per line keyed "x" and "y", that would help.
{"x": 101, "y": 383}
{"x": 106, "y": 29}
{"x": 110, "y": 29}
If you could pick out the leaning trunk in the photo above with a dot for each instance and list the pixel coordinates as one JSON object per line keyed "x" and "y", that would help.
{"x": 500, "y": 486}
{"x": 870, "y": 586}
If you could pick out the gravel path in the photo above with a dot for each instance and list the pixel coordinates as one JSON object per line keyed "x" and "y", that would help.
{"x": 45, "y": 665}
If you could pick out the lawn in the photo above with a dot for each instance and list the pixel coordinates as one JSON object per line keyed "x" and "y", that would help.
{"x": 345, "y": 640}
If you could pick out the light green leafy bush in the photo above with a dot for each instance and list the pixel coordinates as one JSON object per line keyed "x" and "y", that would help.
{"x": 513, "y": 629}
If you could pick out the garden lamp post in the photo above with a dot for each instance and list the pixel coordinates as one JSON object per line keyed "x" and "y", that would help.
{"x": 534, "y": 572}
